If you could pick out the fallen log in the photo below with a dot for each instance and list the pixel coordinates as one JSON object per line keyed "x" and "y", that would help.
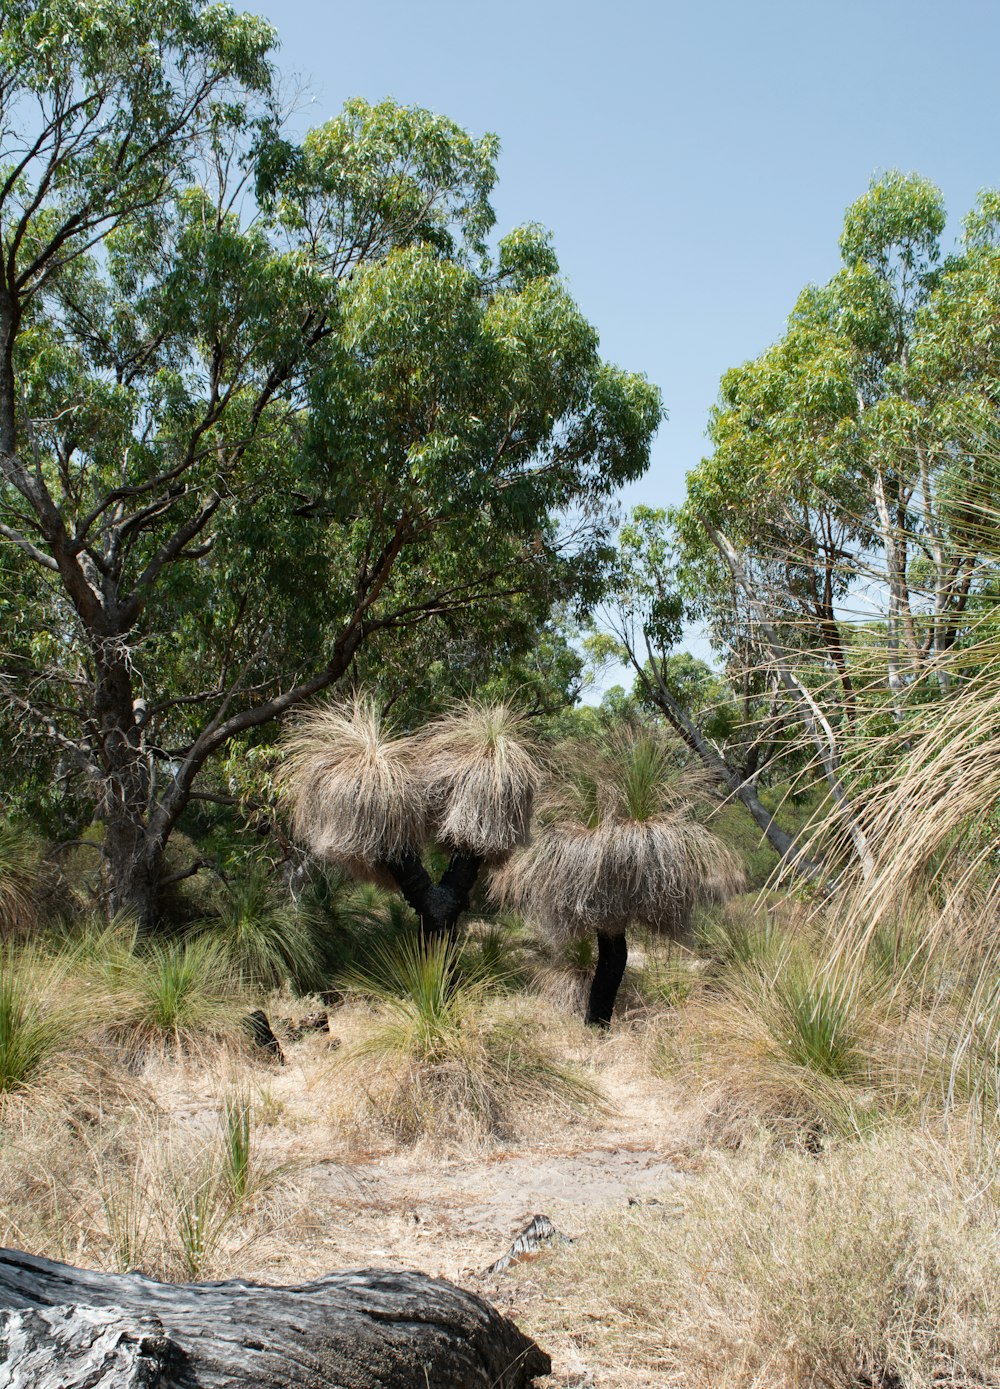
{"x": 66, "y": 1328}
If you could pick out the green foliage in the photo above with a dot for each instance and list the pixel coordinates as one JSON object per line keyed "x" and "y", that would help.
{"x": 348, "y": 431}
{"x": 237, "y": 1146}
{"x": 815, "y": 1017}
{"x": 740, "y": 940}
{"x": 267, "y": 938}
{"x": 203, "y": 1212}
{"x": 496, "y": 955}
{"x": 578, "y": 953}
{"x": 363, "y": 920}
{"x": 33, "y": 1028}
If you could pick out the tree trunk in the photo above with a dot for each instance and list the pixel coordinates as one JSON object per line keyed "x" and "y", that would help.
{"x": 135, "y": 865}
{"x": 612, "y": 956}
{"x": 439, "y": 906}
{"x": 779, "y": 839}
{"x": 66, "y": 1328}
{"x": 133, "y": 857}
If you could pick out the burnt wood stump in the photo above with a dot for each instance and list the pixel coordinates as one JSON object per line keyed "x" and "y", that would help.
{"x": 68, "y": 1328}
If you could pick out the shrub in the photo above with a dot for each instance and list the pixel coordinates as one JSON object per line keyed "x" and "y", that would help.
{"x": 789, "y": 1039}
{"x": 19, "y": 880}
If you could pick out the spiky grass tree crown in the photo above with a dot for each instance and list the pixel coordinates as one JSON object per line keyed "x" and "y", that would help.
{"x": 362, "y": 797}
{"x": 352, "y": 788}
{"x": 481, "y": 771}
{"x": 619, "y": 841}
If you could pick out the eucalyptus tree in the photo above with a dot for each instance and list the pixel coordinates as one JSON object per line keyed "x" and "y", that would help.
{"x": 838, "y": 451}
{"x": 264, "y": 408}
{"x": 618, "y": 841}
{"x": 834, "y": 523}
{"x": 726, "y": 718}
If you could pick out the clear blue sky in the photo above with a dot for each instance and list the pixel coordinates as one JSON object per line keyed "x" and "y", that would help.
{"x": 692, "y": 160}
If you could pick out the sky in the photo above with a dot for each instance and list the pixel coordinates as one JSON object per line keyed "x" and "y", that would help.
{"x": 692, "y": 160}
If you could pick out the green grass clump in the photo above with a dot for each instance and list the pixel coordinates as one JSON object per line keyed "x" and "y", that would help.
{"x": 445, "y": 1057}
{"x": 496, "y": 954}
{"x": 169, "y": 992}
{"x": 817, "y": 1020}
{"x": 739, "y": 938}
{"x": 269, "y": 939}
{"x": 784, "y": 1036}
{"x": 32, "y": 1028}
{"x": 19, "y": 880}
{"x": 237, "y": 1145}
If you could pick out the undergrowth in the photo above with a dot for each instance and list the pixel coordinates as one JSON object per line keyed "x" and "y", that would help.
{"x": 446, "y": 1056}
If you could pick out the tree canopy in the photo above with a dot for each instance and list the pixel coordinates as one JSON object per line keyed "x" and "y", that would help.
{"x": 267, "y": 410}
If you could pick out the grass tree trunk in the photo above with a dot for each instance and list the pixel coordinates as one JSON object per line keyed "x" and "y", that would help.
{"x": 439, "y": 906}
{"x": 612, "y": 957}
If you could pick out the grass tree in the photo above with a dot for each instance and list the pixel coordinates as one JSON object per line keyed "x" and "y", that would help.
{"x": 378, "y": 804}
{"x": 618, "y": 842}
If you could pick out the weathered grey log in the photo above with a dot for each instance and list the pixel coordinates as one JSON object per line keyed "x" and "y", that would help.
{"x": 87, "y": 1348}
{"x": 66, "y": 1328}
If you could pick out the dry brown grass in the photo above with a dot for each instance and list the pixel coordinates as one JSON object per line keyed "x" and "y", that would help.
{"x": 874, "y": 1264}
{"x": 351, "y": 787}
{"x": 124, "y": 1179}
{"x": 20, "y": 880}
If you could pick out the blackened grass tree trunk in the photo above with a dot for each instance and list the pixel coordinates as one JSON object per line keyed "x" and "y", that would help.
{"x": 439, "y": 905}
{"x": 229, "y": 461}
{"x": 609, "y": 971}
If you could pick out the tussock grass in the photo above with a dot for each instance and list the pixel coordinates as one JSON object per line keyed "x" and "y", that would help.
{"x": 780, "y": 1035}
{"x": 873, "y": 1264}
{"x": 744, "y": 936}
{"x": 179, "y": 992}
{"x": 268, "y": 939}
{"x": 497, "y": 954}
{"x": 36, "y": 1024}
{"x": 442, "y": 1059}
{"x": 20, "y": 866}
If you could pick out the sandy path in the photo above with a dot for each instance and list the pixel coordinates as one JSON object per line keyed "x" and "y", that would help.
{"x": 453, "y": 1214}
